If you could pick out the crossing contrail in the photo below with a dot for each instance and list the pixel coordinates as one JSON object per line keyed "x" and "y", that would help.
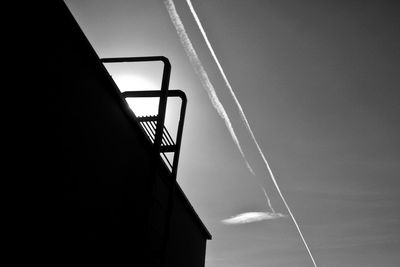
{"x": 207, "y": 85}
{"x": 242, "y": 114}
{"x": 200, "y": 71}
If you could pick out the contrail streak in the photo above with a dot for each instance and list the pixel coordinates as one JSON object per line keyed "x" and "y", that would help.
{"x": 199, "y": 69}
{"x": 247, "y": 124}
{"x": 196, "y": 63}
{"x": 268, "y": 201}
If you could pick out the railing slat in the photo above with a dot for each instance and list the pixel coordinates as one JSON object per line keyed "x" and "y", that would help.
{"x": 148, "y": 131}
{"x": 168, "y": 136}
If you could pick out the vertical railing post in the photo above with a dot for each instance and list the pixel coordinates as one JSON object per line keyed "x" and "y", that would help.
{"x": 180, "y": 130}
{"x": 162, "y": 106}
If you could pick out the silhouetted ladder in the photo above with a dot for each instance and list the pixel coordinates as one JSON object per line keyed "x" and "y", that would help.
{"x": 156, "y": 132}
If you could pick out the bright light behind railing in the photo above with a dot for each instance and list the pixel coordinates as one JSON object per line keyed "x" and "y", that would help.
{"x": 140, "y": 106}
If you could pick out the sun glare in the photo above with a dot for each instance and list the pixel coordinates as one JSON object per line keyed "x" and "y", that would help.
{"x": 148, "y": 106}
{"x": 140, "y": 106}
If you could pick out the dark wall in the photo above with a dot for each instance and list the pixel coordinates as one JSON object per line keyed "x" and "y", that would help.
{"x": 188, "y": 244}
{"x": 95, "y": 150}
{"x": 92, "y": 173}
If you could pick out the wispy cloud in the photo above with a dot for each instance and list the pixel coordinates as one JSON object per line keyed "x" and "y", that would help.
{"x": 249, "y": 217}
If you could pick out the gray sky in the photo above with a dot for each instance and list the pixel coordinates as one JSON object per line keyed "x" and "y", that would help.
{"x": 319, "y": 83}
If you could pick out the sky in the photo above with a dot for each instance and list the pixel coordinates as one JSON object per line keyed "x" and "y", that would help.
{"x": 319, "y": 84}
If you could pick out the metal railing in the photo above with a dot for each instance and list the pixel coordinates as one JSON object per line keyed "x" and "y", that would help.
{"x": 153, "y": 126}
{"x": 150, "y": 126}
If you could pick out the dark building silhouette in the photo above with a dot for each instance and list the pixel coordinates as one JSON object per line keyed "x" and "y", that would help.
{"x": 100, "y": 191}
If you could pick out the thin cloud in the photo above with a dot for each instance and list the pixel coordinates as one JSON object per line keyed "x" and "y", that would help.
{"x": 250, "y": 217}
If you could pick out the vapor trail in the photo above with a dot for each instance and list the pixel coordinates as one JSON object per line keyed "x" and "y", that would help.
{"x": 199, "y": 69}
{"x": 268, "y": 201}
{"x": 207, "y": 85}
{"x": 242, "y": 114}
